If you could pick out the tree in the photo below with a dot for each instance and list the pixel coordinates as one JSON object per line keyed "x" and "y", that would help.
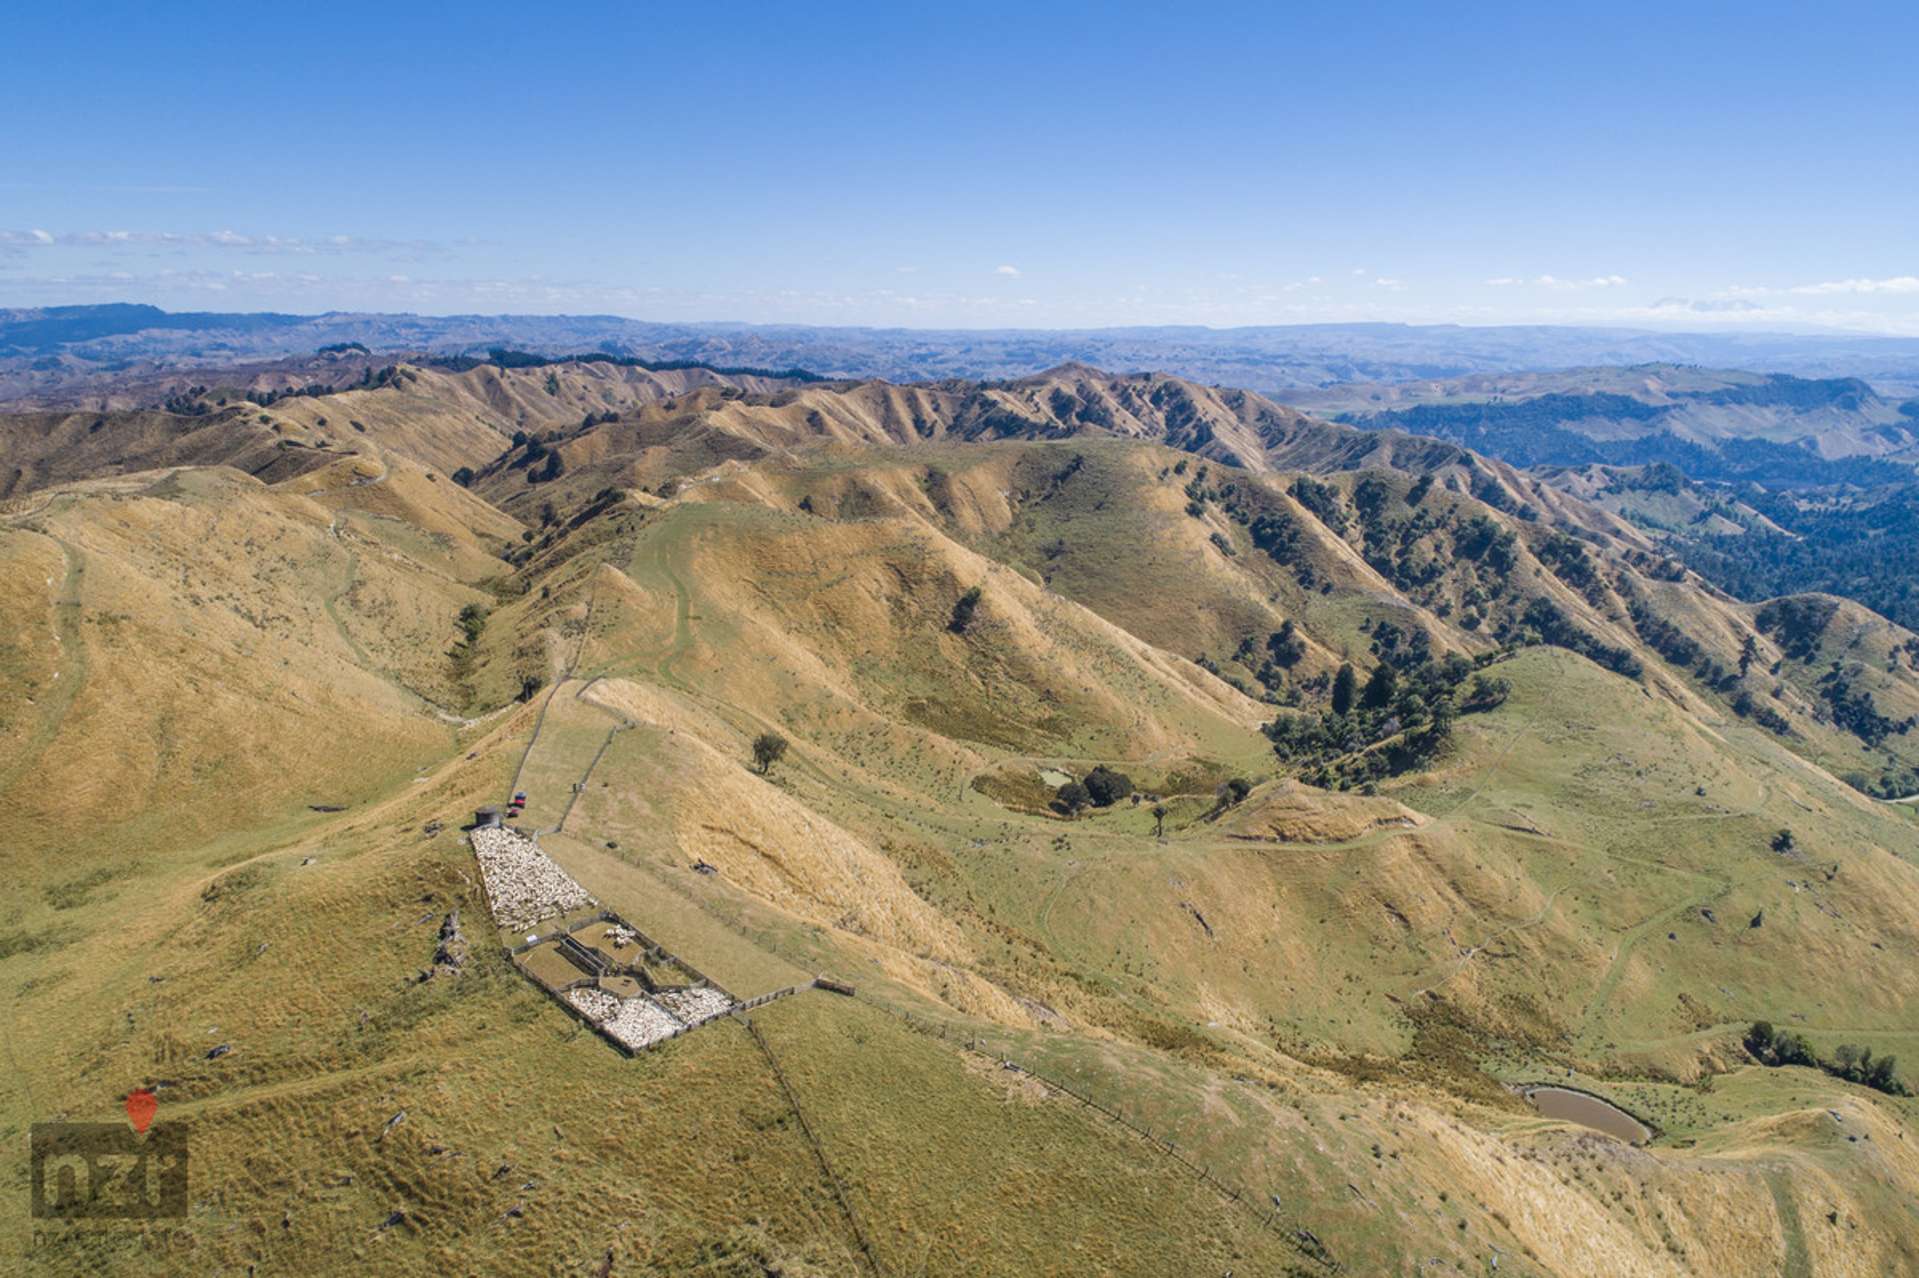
{"x": 464, "y": 476}
{"x": 554, "y": 466}
{"x": 1159, "y": 820}
{"x": 963, "y": 611}
{"x": 768, "y": 749}
{"x": 1233, "y": 791}
{"x": 1285, "y": 646}
{"x": 1343, "y": 685}
{"x": 1107, "y": 787}
{"x": 1783, "y": 841}
{"x": 1380, "y": 687}
{"x": 1486, "y": 693}
{"x": 1748, "y": 653}
{"x": 1072, "y": 798}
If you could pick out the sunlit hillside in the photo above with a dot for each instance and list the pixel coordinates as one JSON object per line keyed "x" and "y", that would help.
{"x": 1436, "y": 783}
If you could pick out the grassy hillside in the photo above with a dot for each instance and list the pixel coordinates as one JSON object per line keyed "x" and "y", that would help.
{"x": 1166, "y": 1035}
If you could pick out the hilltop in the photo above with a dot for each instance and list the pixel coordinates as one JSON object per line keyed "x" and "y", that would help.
{"x": 1311, "y": 949}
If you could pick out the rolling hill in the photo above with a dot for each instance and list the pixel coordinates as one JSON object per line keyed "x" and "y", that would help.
{"x": 1280, "y": 1026}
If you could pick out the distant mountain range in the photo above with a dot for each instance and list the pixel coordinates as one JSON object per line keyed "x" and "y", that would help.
{"x": 64, "y": 346}
{"x": 1773, "y": 428}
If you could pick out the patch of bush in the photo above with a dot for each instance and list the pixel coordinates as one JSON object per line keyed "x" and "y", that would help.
{"x": 1106, "y": 787}
{"x": 963, "y": 611}
{"x": 1776, "y": 1047}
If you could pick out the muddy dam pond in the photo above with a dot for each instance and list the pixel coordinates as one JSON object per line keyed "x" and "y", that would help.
{"x": 1588, "y": 1111}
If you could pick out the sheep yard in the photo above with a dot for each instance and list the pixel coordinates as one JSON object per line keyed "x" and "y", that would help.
{"x": 599, "y": 968}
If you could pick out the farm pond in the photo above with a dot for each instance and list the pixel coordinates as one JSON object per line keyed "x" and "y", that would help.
{"x": 1588, "y": 1111}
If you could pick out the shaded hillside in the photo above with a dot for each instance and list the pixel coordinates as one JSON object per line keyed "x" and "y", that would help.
{"x": 1758, "y": 544}
{"x": 39, "y": 450}
{"x": 1776, "y": 430}
{"x": 275, "y": 422}
{"x": 671, "y": 438}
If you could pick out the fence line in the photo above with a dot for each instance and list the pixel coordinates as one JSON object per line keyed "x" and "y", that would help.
{"x": 684, "y": 1027}
{"x": 806, "y": 1129}
{"x": 1296, "y": 1236}
{"x": 604, "y": 915}
{"x": 538, "y": 723}
{"x": 579, "y": 648}
{"x": 579, "y": 787}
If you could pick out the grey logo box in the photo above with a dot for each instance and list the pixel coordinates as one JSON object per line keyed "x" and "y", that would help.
{"x": 107, "y": 1171}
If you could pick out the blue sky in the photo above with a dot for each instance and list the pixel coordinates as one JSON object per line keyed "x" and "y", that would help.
{"x": 980, "y": 166}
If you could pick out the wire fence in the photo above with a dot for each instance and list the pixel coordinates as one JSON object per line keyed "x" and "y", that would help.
{"x": 579, "y": 787}
{"x": 572, "y": 664}
{"x": 806, "y": 1129}
{"x": 1275, "y": 1220}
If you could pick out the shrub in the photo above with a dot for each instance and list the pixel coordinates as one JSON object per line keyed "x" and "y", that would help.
{"x": 768, "y": 749}
{"x": 1107, "y": 787}
{"x": 1071, "y": 798}
{"x": 963, "y": 611}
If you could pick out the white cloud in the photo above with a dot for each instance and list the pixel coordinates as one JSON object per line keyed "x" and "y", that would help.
{"x": 1892, "y": 284}
{"x": 1006, "y": 270}
{"x": 289, "y": 245}
{"x": 1555, "y": 282}
{"x": 1386, "y": 281}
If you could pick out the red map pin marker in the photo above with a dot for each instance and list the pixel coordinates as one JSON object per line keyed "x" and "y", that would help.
{"x": 141, "y": 1105}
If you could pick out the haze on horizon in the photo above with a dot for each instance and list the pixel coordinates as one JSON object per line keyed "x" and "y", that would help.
{"x": 990, "y": 167}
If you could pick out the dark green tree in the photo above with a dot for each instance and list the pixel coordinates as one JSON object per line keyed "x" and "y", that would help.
{"x": 1381, "y": 687}
{"x": 1071, "y": 798}
{"x": 963, "y": 611}
{"x": 1343, "y": 686}
{"x": 1285, "y": 645}
{"x": 1107, "y": 787}
{"x": 768, "y": 749}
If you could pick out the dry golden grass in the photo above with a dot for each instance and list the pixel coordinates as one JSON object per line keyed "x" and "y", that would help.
{"x": 1318, "y": 996}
